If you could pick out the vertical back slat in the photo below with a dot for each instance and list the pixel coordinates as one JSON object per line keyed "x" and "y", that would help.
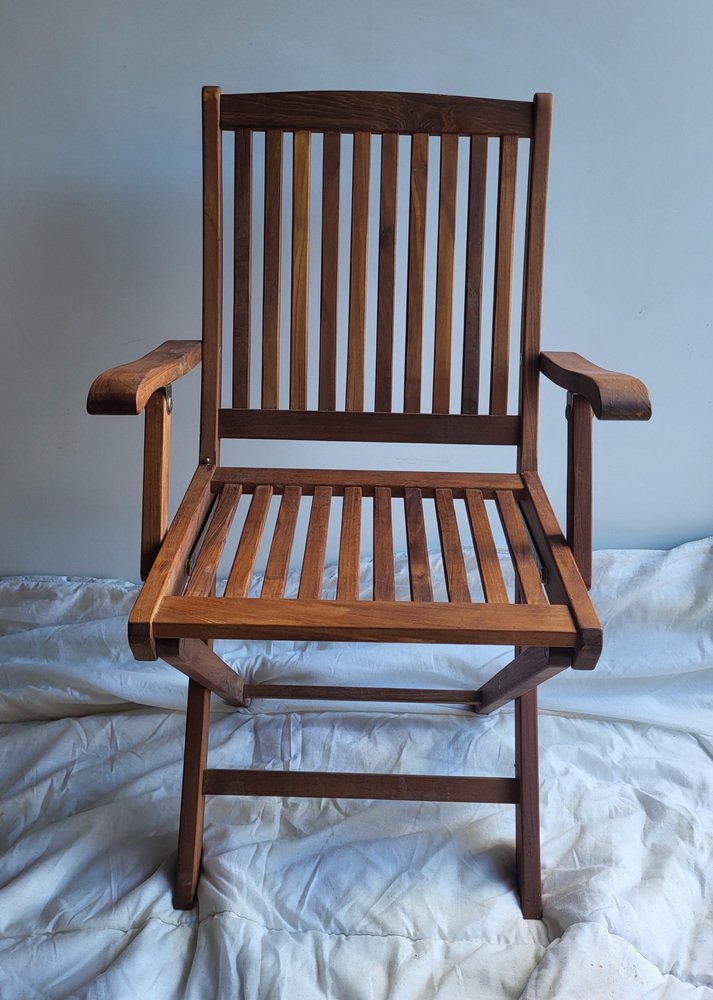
{"x": 212, "y": 275}
{"x": 300, "y": 270}
{"x": 348, "y": 568}
{"x": 357, "y": 272}
{"x": 453, "y": 561}
{"x": 387, "y": 271}
{"x": 278, "y": 562}
{"x": 532, "y": 279}
{"x": 244, "y": 562}
{"x": 316, "y": 544}
{"x": 504, "y": 245}
{"x": 491, "y": 574}
{"x": 271, "y": 271}
{"x": 202, "y": 578}
{"x": 475, "y": 239}
{"x": 384, "y": 589}
{"x": 419, "y": 568}
{"x": 444, "y": 274}
{"x": 242, "y": 277}
{"x": 416, "y": 261}
{"x": 330, "y": 272}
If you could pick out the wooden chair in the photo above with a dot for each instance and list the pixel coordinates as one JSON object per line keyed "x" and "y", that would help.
{"x": 410, "y": 375}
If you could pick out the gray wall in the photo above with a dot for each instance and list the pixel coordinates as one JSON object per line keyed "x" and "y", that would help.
{"x": 100, "y": 230}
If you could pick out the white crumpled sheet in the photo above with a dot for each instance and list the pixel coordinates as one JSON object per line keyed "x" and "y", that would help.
{"x": 356, "y": 899}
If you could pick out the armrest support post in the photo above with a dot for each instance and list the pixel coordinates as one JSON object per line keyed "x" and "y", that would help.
{"x": 579, "y": 483}
{"x": 157, "y": 444}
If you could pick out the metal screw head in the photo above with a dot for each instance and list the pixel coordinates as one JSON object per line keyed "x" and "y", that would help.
{"x": 206, "y": 461}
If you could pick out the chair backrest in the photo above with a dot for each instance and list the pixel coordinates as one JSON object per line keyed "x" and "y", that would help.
{"x": 365, "y": 359}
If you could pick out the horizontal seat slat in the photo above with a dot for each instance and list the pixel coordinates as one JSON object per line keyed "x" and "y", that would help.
{"x": 376, "y": 111}
{"x": 331, "y": 425}
{"x": 351, "y": 785}
{"x": 364, "y": 621}
{"x": 368, "y": 480}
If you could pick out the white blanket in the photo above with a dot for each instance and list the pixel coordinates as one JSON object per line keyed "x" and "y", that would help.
{"x": 328, "y": 899}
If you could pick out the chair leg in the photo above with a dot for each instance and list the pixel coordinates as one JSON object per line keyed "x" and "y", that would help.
{"x": 190, "y": 836}
{"x": 527, "y": 836}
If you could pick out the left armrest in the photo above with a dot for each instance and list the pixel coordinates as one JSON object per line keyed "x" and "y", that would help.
{"x": 128, "y": 388}
{"x": 611, "y": 395}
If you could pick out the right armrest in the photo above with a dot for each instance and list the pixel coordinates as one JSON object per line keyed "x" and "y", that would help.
{"x": 126, "y": 389}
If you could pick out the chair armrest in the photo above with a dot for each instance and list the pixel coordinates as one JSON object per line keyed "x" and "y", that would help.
{"x": 127, "y": 388}
{"x": 611, "y": 395}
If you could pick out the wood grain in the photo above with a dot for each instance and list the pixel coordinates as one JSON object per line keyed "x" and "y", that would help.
{"x": 190, "y": 835}
{"x": 278, "y": 562}
{"x": 527, "y": 812}
{"x": 528, "y": 575}
{"x": 272, "y": 256}
{"x": 502, "y": 294}
{"x": 241, "y": 572}
{"x": 330, "y": 272}
{"x": 376, "y": 111}
{"x": 384, "y": 587}
{"x": 387, "y": 272}
{"x": 202, "y": 578}
{"x": 126, "y": 389}
{"x": 418, "y": 564}
{"x": 157, "y": 453}
{"x": 209, "y": 448}
{"x": 473, "y": 299}
{"x": 300, "y": 269}
{"x": 453, "y": 562}
{"x": 611, "y": 395}
{"x": 491, "y": 573}
{"x": 316, "y": 544}
{"x": 242, "y": 266}
{"x": 444, "y": 274}
{"x": 416, "y": 271}
{"x": 349, "y": 546}
{"x": 198, "y": 661}
{"x": 358, "y": 272}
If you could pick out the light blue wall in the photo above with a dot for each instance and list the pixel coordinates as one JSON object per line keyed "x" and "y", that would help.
{"x": 100, "y": 229}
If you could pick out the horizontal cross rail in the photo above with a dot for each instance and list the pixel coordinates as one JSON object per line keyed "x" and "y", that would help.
{"x": 325, "y": 692}
{"x": 348, "y": 785}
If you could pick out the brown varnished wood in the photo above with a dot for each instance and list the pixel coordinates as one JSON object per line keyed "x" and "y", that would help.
{"x": 126, "y": 389}
{"x": 190, "y": 835}
{"x": 376, "y": 111}
{"x": 444, "y": 274}
{"x": 579, "y": 484}
{"x": 157, "y": 448}
{"x": 322, "y": 425}
{"x": 243, "y": 566}
{"x": 278, "y": 562}
{"x": 368, "y": 480}
{"x": 357, "y": 272}
{"x": 611, "y": 395}
{"x": 387, "y": 271}
{"x": 272, "y": 256}
{"x": 366, "y": 621}
{"x": 209, "y": 448}
{"x": 300, "y": 269}
{"x": 453, "y": 562}
{"x": 473, "y": 300}
{"x": 352, "y": 785}
{"x": 502, "y": 295}
{"x": 418, "y": 563}
{"x": 168, "y": 570}
{"x": 316, "y": 544}
{"x": 416, "y": 272}
{"x": 532, "y": 280}
{"x": 330, "y": 272}
{"x": 383, "y": 548}
{"x": 198, "y": 661}
{"x": 559, "y": 556}
{"x": 529, "y": 669}
{"x": 327, "y": 692}
{"x": 527, "y": 811}
{"x": 242, "y": 266}
{"x": 202, "y": 578}
{"x": 528, "y": 576}
{"x": 350, "y": 546}
{"x": 491, "y": 573}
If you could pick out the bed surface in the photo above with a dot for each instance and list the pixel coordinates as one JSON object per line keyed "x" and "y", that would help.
{"x": 350, "y": 898}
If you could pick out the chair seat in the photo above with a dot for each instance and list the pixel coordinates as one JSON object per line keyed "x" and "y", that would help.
{"x": 555, "y": 613}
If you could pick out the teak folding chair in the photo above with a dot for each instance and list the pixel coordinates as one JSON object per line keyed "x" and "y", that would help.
{"x": 383, "y": 367}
